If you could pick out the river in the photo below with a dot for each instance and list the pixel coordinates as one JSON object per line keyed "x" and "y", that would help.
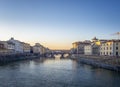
{"x": 56, "y": 73}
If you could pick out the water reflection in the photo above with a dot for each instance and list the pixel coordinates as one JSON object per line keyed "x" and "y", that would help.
{"x": 56, "y": 73}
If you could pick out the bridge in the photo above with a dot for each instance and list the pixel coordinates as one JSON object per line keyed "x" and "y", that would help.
{"x": 58, "y": 53}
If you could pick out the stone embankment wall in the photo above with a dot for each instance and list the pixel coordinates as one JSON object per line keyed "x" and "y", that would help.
{"x": 107, "y": 62}
{"x": 16, "y": 57}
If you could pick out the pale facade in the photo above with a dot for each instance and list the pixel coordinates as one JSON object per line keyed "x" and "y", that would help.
{"x": 92, "y": 49}
{"x": 47, "y": 50}
{"x": 3, "y": 49}
{"x": 18, "y": 45}
{"x": 11, "y": 47}
{"x": 110, "y": 48}
{"x": 44, "y": 50}
{"x": 75, "y": 47}
{"x": 88, "y": 50}
{"x": 37, "y": 49}
{"x": 78, "y": 47}
{"x": 7, "y": 47}
{"x": 26, "y": 47}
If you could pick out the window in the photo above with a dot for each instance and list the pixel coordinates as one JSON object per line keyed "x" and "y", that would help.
{"x": 107, "y": 53}
{"x": 116, "y": 53}
{"x": 116, "y": 48}
{"x": 110, "y": 53}
{"x": 107, "y": 48}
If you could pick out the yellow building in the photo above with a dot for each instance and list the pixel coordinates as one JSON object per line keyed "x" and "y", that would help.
{"x": 75, "y": 45}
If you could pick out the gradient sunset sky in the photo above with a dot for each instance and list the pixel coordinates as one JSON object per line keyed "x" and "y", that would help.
{"x": 58, "y": 23}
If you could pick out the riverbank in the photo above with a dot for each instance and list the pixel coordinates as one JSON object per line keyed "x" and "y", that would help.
{"x": 4, "y": 59}
{"x": 106, "y": 62}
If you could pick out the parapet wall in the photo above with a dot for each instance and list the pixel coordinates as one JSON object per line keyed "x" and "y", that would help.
{"x": 107, "y": 62}
{"x": 16, "y": 57}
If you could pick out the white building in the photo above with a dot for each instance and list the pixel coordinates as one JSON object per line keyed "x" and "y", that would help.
{"x": 7, "y": 47}
{"x": 11, "y": 47}
{"x": 88, "y": 50}
{"x": 110, "y": 48}
{"x": 78, "y": 47}
{"x": 92, "y": 49}
{"x": 18, "y": 45}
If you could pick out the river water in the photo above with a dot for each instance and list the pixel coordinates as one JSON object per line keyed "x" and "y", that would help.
{"x": 56, "y": 73}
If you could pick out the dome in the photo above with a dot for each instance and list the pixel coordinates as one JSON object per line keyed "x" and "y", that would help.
{"x": 94, "y": 38}
{"x": 12, "y": 38}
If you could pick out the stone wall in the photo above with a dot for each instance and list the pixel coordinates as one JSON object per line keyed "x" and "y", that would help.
{"x": 16, "y": 57}
{"x": 107, "y": 62}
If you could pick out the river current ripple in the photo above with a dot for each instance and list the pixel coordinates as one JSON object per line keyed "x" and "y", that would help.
{"x": 56, "y": 72}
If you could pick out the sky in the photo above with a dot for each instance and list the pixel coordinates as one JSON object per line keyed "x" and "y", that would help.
{"x": 56, "y": 24}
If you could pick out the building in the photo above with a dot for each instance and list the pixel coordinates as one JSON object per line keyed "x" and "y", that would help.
{"x": 48, "y": 50}
{"x": 92, "y": 49}
{"x": 37, "y": 49}
{"x": 1, "y": 45}
{"x": 7, "y": 47}
{"x": 78, "y": 47}
{"x": 10, "y": 47}
{"x": 75, "y": 47}
{"x": 88, "y": 50}
{"x": 95, "y": 39}
{"x": 110, "y": 48}
{"x": 87, "y": 47}
{"x": 18, "y": 45}
{"x": 3, "y": 49}
{"x": 44, "y": 50}
{"x": 26, "y": 47}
